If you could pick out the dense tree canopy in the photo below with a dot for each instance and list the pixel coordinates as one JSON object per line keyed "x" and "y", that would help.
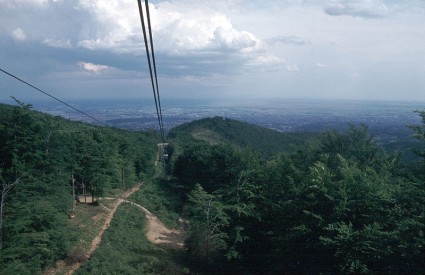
{"x": 342, "y": 205}
{"x": 40, "y": 156}
{"x": 330, "y": 203}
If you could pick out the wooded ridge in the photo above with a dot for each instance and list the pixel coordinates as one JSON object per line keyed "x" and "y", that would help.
{"x": 42, "y": 158}
{"x": 254, "y": 201}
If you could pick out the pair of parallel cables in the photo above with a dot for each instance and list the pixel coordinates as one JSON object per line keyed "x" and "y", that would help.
{"x": 150, "y": 55}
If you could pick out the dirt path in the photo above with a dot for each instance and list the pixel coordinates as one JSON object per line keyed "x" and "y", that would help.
{"x": 96, "y": 241}
{"x": 156, "y": 232}
{"x": 61, "y": 265}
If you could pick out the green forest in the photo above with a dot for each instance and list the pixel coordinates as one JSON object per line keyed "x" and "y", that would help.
{"x": 255, "y": 201}
{"x": 44, "y": 160}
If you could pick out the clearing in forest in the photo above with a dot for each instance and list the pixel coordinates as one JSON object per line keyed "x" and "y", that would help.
{"x": 156, "y": 232}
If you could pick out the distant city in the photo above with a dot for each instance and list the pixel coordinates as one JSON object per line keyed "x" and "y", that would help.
{"x": 387, "y": 120}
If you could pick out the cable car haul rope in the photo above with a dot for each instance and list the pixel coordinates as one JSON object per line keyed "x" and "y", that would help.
{"x": 150, "y": 55}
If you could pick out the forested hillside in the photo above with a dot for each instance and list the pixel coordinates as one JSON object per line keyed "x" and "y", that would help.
{"x": 41, "y": 158}
{"x": 221, "y": 130}
{"x": 254, "y": 201}
{"x": 340, "y": 204}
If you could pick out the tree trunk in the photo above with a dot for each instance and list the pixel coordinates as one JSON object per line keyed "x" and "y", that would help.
{"x": 73, "y": 191}
{"x": 122, "y": 177}
{"x": 5, "y": 189}
{"x": 1, "y": 223}
{"x": 84, "y": 192}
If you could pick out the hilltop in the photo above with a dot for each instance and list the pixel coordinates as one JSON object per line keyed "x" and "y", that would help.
{"x": 221, "y": 130}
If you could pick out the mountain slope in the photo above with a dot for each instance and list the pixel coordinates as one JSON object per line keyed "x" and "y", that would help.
{"x": 47, "y": 159}
{"x": 220, "y": 130}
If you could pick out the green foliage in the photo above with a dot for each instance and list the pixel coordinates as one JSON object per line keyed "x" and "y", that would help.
{"x": 162, "y": 198}
{"x": 213, "y": 166}
{"x": 206, "y": 240}
{"x": 43, "y": 153}
{"x": 255, "y": 203}
{"x": 220, "y": 130}
{"x": 420, "y": 134}
{"x": 125, "y": 249}
{"x": 340, "y": 206}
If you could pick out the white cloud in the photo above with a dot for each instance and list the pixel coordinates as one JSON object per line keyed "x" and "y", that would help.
{"x": 57, "y": 43}
{"x": 19, "y": 35}
{"x": 93, "y": 68}
{"x": 270, "y": 59}
{"x": 292, "y": 68}
{"x": 18, "y": 3}
{"x": 114, "y": 26}
{"x": 181, "y": 30}
{"x": 232, "y": 39}
{"x": 177, "y": 29}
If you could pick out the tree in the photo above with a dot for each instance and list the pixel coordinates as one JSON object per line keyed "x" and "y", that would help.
{"x": 420, "y": 135}
{"x": 213, "y": 167}
{"x": 6, "y": 187}
{"x": 208, "y": 218}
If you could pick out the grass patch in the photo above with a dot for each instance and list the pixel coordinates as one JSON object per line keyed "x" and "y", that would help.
{"x": 125, "y": 250}
{"x": 87, "y": 223}
{"x": 162, "y": 199}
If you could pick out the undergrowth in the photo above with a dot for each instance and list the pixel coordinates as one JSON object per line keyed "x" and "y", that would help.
{"x": 159, "y": 197}
{"x": 125, "y": 250}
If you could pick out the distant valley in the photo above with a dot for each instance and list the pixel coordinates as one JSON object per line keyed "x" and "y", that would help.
{"x": 388, "y": 121}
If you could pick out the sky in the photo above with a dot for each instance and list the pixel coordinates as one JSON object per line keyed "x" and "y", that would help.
{"x": 82, "y": 49}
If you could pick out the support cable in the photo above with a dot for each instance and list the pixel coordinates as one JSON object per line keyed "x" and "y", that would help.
{"x": 148, "y": 55}
{"x": 153, "y": 59}
{"x": 55, "y": 98}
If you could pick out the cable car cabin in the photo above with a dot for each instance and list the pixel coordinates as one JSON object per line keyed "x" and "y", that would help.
{"x": 162, "y": 152}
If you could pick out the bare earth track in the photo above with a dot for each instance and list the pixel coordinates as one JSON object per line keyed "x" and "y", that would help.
{"x": 156, "y": 232}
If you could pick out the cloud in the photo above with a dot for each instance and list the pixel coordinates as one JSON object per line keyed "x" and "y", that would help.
{"x": 93, "y": 68}
{"x": 231, "y": 43}
{"x": 364, "y": 9}
{"x": 57, "y": 43}
{"x": 270, "y": 59}
{"x": 181, "y": 30}
{"x": 19, "y": 35}
{"x": 232, "y": 39}
{"x": 289, "y": 40}
{"x": 292, "y": 68}
{"x": 20, "y": 3}
{"x": 177, "y": 29}
{"x": 198, "y": 35}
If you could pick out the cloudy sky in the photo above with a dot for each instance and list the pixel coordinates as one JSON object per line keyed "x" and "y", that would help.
{"x": 370, "y": 49}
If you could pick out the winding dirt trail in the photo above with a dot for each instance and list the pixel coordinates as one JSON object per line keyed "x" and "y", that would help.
{"x": 96, "y": 241}
{"x": 156, "y": 232}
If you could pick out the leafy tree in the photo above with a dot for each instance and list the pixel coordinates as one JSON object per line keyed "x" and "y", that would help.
{"x": 211, "y": 166}
{"x": 420, "y": 135}
{"x": 46, "y": 154}
{"x": 208, "y": 219}
{"x": 5, "y": 189}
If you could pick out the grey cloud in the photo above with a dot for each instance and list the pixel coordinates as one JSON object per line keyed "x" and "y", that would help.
{"x": 289, "y": 40}
{"x": 200, "y": 64}
{"x": 366, "y": 9}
